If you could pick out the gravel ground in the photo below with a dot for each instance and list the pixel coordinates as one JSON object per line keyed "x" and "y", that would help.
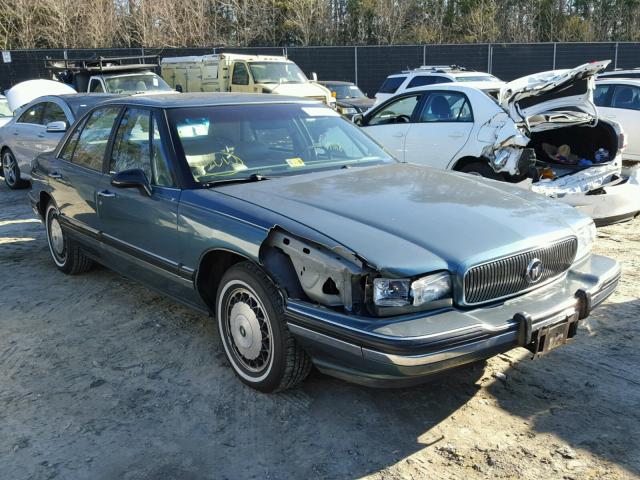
{"x": 101, "y": 378}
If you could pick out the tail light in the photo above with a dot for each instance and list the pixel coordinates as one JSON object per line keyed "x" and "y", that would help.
{"x": 622, "y": 141}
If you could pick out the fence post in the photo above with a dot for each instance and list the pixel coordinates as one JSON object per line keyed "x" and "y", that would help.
{"x": 355, "y": 63}
{"x": 555, "y": 45}
{"x": 424, "y": 55}
{"x": 489, "y": 59}
{"x": 615, "y": 58}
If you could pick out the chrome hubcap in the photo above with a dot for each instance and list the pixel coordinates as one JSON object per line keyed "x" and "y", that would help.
{"x": 249, "y": 330}
{"x": 9, "y": 168}
{"x": 57, "y": 240}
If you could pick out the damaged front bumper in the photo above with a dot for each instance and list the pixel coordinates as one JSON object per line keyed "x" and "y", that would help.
{"x": 405, "y": 350}
{"x": 600, "y": 192}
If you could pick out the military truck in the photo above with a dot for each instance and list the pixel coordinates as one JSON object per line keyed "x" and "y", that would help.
{"x": 121, "y": 75}
{"x": 229, "y": 72}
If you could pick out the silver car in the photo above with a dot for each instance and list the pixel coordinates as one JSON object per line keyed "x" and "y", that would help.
{"x": 35, "y": 128}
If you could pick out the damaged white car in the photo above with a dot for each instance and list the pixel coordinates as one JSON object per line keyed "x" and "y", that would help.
{"x": 543, "y": 133}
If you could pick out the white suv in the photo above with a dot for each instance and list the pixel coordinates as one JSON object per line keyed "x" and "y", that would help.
{"x": 434, "y": 74}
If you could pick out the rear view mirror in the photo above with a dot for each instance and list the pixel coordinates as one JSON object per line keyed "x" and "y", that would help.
{"x": 133, "y": 178}
{"x": 357, "y": 119}
{"x": 57, "y": 127}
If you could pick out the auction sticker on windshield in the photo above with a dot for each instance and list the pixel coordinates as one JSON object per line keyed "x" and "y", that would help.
{"x": 320, "y": 112}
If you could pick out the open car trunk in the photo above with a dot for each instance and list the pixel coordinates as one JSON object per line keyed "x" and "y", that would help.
{"x": 583, "y": 142}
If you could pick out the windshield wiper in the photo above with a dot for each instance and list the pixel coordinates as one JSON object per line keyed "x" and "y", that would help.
{"x": 254, "y": 177}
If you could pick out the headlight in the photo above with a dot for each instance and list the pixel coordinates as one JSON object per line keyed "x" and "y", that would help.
{"x": 348, "y": 110}
{"x": 403, "y": 292}
{"x": 586, "y": 236}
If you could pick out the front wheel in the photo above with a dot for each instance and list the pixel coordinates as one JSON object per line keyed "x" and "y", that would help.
{"x": 65, "y": 252}
{"x": 11, "y": 171}
{"x": 253, "y": 331}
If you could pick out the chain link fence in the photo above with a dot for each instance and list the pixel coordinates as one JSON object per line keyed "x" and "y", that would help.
{"x": 367, "y": 66}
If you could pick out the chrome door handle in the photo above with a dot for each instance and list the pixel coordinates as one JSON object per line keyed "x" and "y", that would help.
{"x": 456, "y": 135}
{"x": 54, "y": 175}
{"x": 41, "y": 135}
{"x": 16, "y": 133}
{"x": 398, "y": 134}
{"x": 107, "y": 194}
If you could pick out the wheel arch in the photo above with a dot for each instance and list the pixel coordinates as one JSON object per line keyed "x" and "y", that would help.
{"x": 467, "y": 160}
{"x": 43, "y": 201}
{"x": 211, "y": 267}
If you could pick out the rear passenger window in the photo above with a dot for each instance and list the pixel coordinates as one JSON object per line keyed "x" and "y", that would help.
{"x": 53, "y": 113}
{"x": 601, "y": 96}
{"x": 391, "y": 84}
{"x": 93, "y": 139}
{"x": 33, "y": 115}
{"x": 627, "y": 97}
{"x": 446, "y": 107}
{"x": 422, "y": 80}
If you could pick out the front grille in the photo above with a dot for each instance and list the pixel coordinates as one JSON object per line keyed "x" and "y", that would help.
{"x": 507, "y": 276}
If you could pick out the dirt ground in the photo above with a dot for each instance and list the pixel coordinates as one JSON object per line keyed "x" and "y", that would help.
{"x": 101, "y": 378}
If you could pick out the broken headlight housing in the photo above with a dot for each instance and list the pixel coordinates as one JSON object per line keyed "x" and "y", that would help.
{"x": 586, "y": 235}
{"x": 406, "y": 292}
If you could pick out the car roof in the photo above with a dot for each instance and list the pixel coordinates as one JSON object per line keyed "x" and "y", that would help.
{"x": 630, "y": 81}
{"x": 175, "y": 100}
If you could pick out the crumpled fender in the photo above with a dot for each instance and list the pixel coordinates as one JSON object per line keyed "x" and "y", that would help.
{"x": 505, "y": 143}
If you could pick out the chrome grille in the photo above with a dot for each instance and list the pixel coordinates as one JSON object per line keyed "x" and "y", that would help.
{"x": 507, "y": 276}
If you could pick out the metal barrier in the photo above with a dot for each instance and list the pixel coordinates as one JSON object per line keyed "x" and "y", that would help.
{"x": 368, "y": 66}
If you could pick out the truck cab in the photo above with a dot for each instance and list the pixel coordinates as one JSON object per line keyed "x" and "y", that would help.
{"x": 242, "y": 73}
{"x": 119, "y": 75}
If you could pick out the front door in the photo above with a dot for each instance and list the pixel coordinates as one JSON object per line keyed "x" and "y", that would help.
{"x": 240, "y": 78}
{"x": 139, "y": 229}
{"x": 390, "y": 123}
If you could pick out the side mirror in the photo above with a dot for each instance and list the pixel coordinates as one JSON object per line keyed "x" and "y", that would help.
{"x": 133, "y": 178}
{"x": 357, "y": 119}
{"x": 179, "y": 88}
{"x": 57, "y": 127}
{"x": 314, "y": 76}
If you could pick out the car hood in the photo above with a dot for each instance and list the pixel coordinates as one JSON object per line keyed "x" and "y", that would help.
{"x": 25, "y": 92}
{"x": 405, "y": 220}
{"x": 363, "y": 104}
{"x": 556, "y": 90}
{"x": 308, "y": 89}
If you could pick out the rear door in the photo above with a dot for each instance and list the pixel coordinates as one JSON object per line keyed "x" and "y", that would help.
{"x": 53, "y": 112}
{"x": 621, "y": 102}
{"x": 389, "y": 123}
{"x": 440, "y": 129}
{"x": 140, "y": 229}
{"x": 75, "y": 173}
{"x": 24, "y": 137}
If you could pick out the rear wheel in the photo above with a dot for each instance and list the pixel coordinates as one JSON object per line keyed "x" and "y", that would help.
{"x": 11, "y": 171}
{"x": 481, "y": 169}
{"x": 65, "y": 252}
{"x": 253, "y": 331}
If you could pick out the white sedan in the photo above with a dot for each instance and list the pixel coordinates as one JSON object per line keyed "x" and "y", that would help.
{"x": 619, "y": 99}
{"x": 544, "y": 124}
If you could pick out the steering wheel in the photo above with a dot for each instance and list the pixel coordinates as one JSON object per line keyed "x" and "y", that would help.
{"x": 402, "y": 119}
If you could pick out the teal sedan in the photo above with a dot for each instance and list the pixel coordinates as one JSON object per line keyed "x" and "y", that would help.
{"x": 309, "y": 244}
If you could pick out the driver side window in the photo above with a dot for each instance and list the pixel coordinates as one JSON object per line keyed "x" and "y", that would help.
{"x": 240, "y": 74}
{"x": 137, "y": 144}
{"x": 399, "y": 111}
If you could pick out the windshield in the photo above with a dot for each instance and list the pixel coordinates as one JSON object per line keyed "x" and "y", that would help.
{"x": 145, "y": 82}
{"x": 5, "y": 111}
{"x": 276, "y": 72}
{"x": 237, "y": 141}
{"x": 477, "y": 78}
{"x": 345, "y": 91}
